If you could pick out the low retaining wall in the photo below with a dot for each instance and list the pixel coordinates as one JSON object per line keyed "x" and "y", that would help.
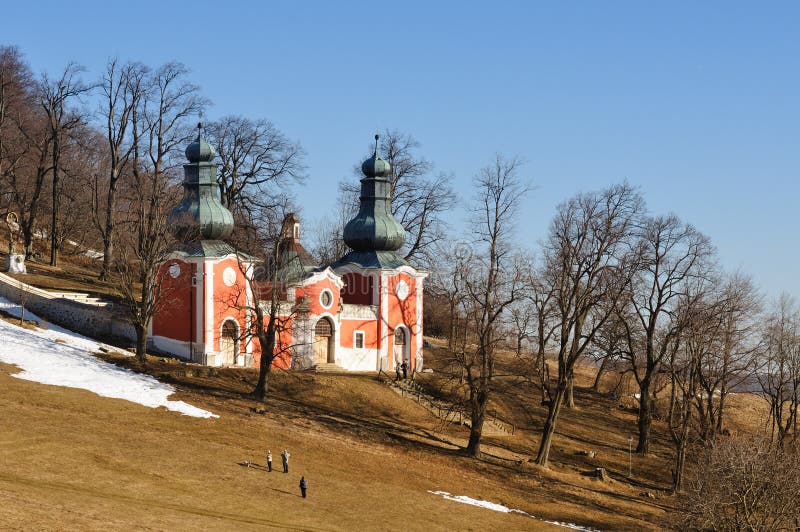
{"x": 79, "y": 317}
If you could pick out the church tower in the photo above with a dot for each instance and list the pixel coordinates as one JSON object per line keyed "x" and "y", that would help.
{"x": 376, "y": 275}
{"x": 205, "y": 281}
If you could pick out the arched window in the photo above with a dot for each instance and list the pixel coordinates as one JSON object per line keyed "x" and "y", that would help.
{"x": 399, "y": 336}
{"x": 323, "y": 328}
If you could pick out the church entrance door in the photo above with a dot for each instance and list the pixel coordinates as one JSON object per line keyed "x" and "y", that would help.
{"x": 229, "y": 343}
{"x": 323, "y": 342}
{"x": 400, "y": 345}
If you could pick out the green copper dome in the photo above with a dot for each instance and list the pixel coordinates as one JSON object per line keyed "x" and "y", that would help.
{"x": 200, "y": 150}
{"x": 200, "y": 215}
{"x": 374, "y": 228}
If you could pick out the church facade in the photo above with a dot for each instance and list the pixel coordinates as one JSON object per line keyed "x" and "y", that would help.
{"x": 362, "y": 313}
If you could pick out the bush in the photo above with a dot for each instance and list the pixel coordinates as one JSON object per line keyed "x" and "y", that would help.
{"x": 742, "y": 484}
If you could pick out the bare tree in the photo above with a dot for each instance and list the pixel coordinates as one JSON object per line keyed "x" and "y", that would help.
{"x": 55, "y": 95}
{"x": 742, "y": 484}
{"x": 24, "y": 142}
{"x": 123, "y": 87}
{"x": 258, "y": 161}
{"x": 672, "y": 255}
{"x": 159, "y": 128}
{"x": 685, "y": 354}
{"x": 484, "y": 286}
{"x": 733, "y": 361}
{"x": 589, "y": 260}
{"x": 779, "y": 376}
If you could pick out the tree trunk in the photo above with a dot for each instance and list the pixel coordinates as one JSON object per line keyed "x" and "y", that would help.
{"x": 477, "y": 417}
{"x": 569, "y": 397}
{"x": 645, "y": 416}
{"x": 56, "y": 202}
{"x": 266, "y": 340}
{"x": 677, "y": 475}
{"x": 600, "y": 372}
{"x": 108, "y": 236}
{"x": 141, "y": 343}
{"x": 550, "y": 426}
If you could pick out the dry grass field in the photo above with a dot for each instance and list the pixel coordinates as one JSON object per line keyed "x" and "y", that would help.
{"x": 70, "y": 459}
{"x": 73, "y": 460}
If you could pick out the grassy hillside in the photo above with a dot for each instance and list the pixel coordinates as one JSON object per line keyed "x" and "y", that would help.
{"x": 71, "y": 459}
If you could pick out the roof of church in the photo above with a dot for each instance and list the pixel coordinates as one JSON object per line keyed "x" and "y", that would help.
{"x": 209, "y": 248}
{"x": 374, "y": 234}
{"x": 200, "y": 214}
{"x": 371, "y": 259}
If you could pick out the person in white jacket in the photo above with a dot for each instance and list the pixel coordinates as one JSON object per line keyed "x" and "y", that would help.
{"x": 285, "y": 458}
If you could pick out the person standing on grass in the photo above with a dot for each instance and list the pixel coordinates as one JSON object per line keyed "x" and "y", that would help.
{"x": 269, "y": 461}
{"x": 303, "y": 486}
{"x": 404, "y": 367}
{"x": 285, "y": 458}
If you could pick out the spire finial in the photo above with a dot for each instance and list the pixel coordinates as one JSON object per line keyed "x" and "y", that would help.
{"x": 376, "y": 142}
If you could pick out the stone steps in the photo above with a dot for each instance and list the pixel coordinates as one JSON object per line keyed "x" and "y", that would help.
{"x": 328, "y": 367}
{"x": 413, "y": 391}
{"x": 82, "y": 297}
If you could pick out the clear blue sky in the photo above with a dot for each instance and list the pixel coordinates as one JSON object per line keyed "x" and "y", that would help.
{"x": 694, "y": 102}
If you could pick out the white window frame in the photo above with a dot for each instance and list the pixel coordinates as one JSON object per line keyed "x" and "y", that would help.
{"x": 355, "y": 339}
{"x": 322, "y": 295}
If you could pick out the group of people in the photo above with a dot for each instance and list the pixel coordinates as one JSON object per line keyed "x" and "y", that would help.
{"x": 285, "y": 459}
{"x": 401, "y": 368}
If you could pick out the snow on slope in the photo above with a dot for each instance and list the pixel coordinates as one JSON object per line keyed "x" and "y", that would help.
{"x": 63, "y": 358}
{"x": 505, "y": 509}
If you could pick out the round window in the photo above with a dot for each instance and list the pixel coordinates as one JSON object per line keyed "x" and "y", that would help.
{"x": 401, "y": 290}
{"x": 229, "y": 276}
{"x": 326, "y": 298}
{"x": 174, "y": 270}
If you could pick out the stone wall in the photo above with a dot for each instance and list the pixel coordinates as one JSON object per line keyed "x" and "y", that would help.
{"x": 97, "y": 322}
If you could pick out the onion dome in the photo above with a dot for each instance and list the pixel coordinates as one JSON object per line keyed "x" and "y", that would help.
{"x": 374, "y": 228}
{"x": 200, "y": 150}
{"x": 200, "y": 215}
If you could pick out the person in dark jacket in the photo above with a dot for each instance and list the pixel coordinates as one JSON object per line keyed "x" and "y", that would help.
{"x": 404, "y": 367}
{"x": 303, "y": 486}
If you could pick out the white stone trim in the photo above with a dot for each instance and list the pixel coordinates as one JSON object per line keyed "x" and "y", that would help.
{"x": 208, "y": 279}
{"x": 359, "y": 312}
{"x": 199, "y": 309}
{"x": 238, "y": 356}
{"x": 327, "y": 273}
{"x": 418, "y": 333}
{"x": 248, "y": 315}
{"x": 178, "y": 348}
{"x": 384, "y": 318}
{"x": 322, "y": 293}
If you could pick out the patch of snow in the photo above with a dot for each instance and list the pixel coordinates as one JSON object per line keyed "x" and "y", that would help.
{"x": 505, "y": 509}
{"x": 60, "y": 357}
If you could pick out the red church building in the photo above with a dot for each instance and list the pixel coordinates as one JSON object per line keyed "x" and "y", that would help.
{"x": 361, "y": 313}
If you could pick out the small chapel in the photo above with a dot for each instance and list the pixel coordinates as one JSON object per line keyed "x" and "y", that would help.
{"x": 361, "y": 313}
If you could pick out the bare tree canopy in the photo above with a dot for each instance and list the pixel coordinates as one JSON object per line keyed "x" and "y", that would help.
{"x": 672, "y": 255}
{"x": 485, "y": 286}
{"x": 257, "y": 162}
{"x": 589, "y": 260}
{"x": 419, "y": 200}
{"x": 55, "y": 96}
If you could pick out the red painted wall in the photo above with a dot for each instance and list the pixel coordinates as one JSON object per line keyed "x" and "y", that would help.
{"x": 358, "y": 289}
{"x": 174, "y": 319}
